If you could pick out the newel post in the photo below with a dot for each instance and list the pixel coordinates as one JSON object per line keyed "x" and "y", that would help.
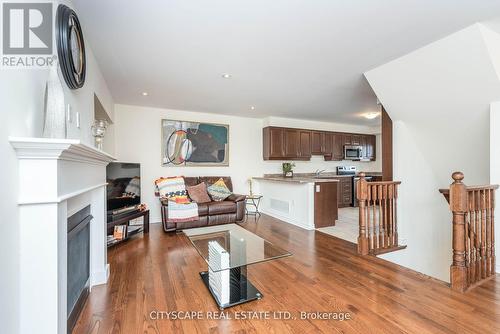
{"x": 362, "y": 197}
{"x": 458, "y": 206}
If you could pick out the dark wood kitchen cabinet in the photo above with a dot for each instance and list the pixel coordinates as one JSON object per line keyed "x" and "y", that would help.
{"x": 346, "y": 139}
{"x": 274, "y": 143}
{"x": 371, "y": 147}
{"x": 300, "y": 144}
{"x": 338, "y": 146}
{"x": 318, "y": 142}
{"x": 325, "y": 214}
{"x": 286, "y": 144}
{"x": 355, "y": 140}
{"x": 328, "y": 148}
{"x": 344, "y": 192}
{"x": 292, "y": 143}
{"x": 305, "y": 144}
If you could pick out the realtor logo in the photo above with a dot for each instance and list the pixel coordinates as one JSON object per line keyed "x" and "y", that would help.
{"x": 27, "y": 28}
{"x": 27, "y": 35}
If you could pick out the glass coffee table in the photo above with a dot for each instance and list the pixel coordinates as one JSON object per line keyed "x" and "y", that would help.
{"x": 228, "y": 249}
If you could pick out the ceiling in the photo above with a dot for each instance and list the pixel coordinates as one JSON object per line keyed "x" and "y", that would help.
{"x": 298, "y": 59}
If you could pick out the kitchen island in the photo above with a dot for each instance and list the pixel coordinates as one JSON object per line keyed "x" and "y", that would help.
{"x": 305, "y": 200}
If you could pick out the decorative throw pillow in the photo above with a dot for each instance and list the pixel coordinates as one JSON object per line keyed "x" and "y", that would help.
{"x": 172, "y": 188}
{"x": 219, "y": 191}
{"x": 198, "y": 193}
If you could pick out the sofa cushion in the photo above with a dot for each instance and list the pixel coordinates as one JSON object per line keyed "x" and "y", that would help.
{"x": 203, "y": 209}
{"x": 198, "y": 193}
{"x": 217, "y": 208}
{"x": 219, "y": 191}
{"x": 209, "y": 180}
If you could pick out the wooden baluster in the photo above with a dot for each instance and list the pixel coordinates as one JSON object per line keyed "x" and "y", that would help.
{"x": 477, "y": 243}
{"x": 467, "y": 245}
{"x": 390, "y": 194}
{"x": 362, "y": 196}
{"x": 374, "y": 213}
{"x": 489, "y": 270}
{"x": 458, "y": 205}
{"x": 472, "y": 251}
{"x": 396, "y": 237}
{"x": 386, "y": 220}
{"x": 483, "y": 232}
{"x": 492, "y": 258}
{"x": 380, "y": 217}
{"x": 369, "y": 217}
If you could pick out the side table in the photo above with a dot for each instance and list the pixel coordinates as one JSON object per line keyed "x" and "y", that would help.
{"x": 253, "y": 200}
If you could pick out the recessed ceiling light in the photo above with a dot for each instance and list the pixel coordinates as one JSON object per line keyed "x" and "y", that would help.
{"x": 226, "y": 75}
{"x": 252, "y": 107}
{"x": 145, "y": 93}
{"x": 371, "y": 115}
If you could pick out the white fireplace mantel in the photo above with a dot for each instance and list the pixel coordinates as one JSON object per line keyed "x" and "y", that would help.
{"x": 57, "y": 177}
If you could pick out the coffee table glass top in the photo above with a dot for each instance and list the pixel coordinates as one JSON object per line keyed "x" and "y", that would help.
{"x": 243, "y": 246}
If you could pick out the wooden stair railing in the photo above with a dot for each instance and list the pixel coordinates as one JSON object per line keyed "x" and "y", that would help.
{"x": 378, "y": 227}
{"x": 473, "y": 233}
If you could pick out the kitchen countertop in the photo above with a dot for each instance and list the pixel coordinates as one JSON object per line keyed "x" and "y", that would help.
{"x": 309, "y": 177}
{"x": 295, "y": 179}
{"x": 301, "y": 178}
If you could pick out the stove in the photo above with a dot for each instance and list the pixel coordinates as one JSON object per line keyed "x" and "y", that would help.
{"x": 351, "y": 170}
{"x": 346, "y": 170}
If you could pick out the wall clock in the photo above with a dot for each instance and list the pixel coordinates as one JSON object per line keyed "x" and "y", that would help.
{"x": 70, "y": 47}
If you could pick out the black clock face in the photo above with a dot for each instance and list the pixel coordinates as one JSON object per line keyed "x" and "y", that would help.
{"x": 70, "y": 47}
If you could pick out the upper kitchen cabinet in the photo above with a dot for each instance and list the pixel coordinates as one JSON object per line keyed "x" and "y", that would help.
{"x": 334, "y": 146}
{"x": 305, "y": 144}
{"x": 274, "y": 143}
{"x": 292, "y": 143}
{"x": 355, "y": 140}
{"x": 301, "y": 144}
{"x": 286, "y": 144}
{"x": 371, "y": 148}
{"x": 338, "y": 146}
{"x": 318, "y": 142}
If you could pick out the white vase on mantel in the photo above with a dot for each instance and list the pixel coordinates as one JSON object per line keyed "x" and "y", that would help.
{"x": 55, "y": 115}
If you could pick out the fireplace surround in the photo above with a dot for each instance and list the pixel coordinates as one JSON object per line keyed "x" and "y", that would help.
{"x": 57, "y": 179}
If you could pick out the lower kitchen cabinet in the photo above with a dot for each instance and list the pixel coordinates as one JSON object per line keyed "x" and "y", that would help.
{"x": 325, "y": 214}
{"x": 344, "y": 192}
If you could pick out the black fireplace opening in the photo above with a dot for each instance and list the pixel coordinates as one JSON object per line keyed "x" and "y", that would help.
{"x": 78, "y": 266}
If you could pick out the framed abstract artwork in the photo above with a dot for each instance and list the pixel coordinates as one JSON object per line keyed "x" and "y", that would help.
{"x": 185, "y": 143}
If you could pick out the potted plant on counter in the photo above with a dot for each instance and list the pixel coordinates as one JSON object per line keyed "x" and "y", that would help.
{"x": 288, "y": 169}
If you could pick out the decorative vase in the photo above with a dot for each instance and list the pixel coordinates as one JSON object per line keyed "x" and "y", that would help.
{"x": 250, "y": 184}
{"x": 55, "y": 116}
{"x": 98, "y": 131}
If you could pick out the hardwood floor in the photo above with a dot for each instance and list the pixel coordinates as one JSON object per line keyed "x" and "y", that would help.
{"x": 160, "y": 272}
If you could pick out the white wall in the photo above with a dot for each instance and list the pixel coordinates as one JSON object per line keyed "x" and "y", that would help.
{"x": 138, "y": 139}
{"x": 21, "y": 110}
{"x": 138, "y": 135}
{"x": 438, "y": 98}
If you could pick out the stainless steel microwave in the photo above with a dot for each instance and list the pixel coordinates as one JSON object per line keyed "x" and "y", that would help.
{"x": 353, "y": 152}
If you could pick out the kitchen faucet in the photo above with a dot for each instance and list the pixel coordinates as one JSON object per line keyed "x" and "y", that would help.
{"x": 318, "y": 172}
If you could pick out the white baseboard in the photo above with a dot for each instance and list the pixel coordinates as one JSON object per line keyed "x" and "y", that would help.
{"x": 100, "y": 277}
{"x": 286, "y": 219}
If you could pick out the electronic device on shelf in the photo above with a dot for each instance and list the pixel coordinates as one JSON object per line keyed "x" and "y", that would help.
{"x": 124, "y": 187}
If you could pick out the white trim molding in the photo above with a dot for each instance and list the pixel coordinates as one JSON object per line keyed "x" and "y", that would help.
{"x": 57, "y": 177}
{"x": 61, "y": 149}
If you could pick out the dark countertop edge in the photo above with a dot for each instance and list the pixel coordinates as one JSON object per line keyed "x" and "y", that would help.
{"x": 294, "y": 179}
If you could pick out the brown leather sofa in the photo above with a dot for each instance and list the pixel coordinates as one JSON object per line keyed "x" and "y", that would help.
{"x": 231, "y": 210}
